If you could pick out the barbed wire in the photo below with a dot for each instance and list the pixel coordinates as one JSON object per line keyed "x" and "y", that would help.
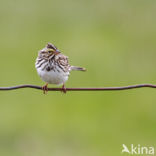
{"x": 81, "y": 89}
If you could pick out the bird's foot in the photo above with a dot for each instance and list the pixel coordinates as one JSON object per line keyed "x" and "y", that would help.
{"x": 45, "y": 88}
{"x": 64, "y": 90}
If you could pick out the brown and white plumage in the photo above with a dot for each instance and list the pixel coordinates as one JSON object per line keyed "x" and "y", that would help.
{"x": 53, "y": 67}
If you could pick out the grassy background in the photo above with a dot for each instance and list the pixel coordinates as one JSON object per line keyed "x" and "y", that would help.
{"x": 114, "y": 40}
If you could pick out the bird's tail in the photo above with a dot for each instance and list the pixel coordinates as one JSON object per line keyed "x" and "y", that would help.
{"x": 77, "y": 68}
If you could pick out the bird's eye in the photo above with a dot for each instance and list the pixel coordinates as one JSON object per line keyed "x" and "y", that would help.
{"x": 49, "y": 52}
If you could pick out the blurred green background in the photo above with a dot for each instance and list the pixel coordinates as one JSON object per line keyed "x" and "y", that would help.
{"x": 114, "y": 40}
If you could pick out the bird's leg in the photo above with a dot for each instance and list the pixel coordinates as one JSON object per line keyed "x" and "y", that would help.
{"x": 45, "y": 88}
{"x": 64, "y": 89}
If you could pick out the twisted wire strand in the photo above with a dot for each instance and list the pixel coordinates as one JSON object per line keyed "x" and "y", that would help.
{"x": 81, "y": 89}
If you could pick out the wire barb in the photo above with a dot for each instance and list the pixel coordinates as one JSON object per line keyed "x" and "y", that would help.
{"x": 81, "y": 89}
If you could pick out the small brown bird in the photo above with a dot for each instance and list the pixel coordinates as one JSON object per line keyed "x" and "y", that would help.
{"x": 53, "y": 67}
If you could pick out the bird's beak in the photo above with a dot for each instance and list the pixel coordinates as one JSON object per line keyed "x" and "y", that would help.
{"x": 56, "y": 52}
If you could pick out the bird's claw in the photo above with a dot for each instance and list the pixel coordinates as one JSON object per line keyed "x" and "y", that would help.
{"x": 45, "y": 89}
{"x": 64, "y": 90}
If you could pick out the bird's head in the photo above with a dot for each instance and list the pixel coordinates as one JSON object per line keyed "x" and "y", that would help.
{"x": 49, "y": 50}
